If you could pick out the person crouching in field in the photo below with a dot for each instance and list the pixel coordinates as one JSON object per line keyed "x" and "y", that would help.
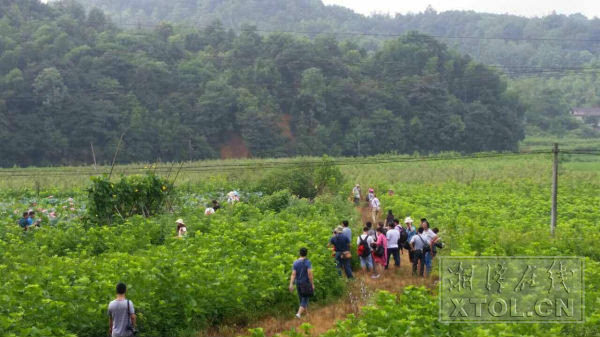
{"x": 122, "y": 319}
{"x": 24, "y": 221}
{"x": 302, "y": 277}
{"x": 181, "y": 228}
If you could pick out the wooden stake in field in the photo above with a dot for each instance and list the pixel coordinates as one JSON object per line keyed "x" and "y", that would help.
{"x": 93, "y": 154}
{"x": 554, "y": 189}
{"x": 112, "y": 166}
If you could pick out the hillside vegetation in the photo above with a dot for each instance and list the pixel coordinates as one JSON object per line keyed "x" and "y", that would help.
{"x": 553, "y": 60}
{"x": 70, "y": 80}
{"x": 558, "y": 39}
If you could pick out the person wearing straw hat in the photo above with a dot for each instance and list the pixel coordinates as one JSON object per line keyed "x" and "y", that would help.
{"x": 342, "y": 252}
{"x": 181, "y": 228}
{"x": 356, "y": 194}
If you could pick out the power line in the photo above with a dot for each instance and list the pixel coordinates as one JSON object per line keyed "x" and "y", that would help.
{"x": 274, "y": 165}
{"x": 350, "y": 33}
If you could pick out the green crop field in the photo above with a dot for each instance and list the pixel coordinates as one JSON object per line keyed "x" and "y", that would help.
{"x": 232, "y": 268}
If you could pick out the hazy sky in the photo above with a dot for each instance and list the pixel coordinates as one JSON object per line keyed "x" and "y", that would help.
{"x": 590, "y": 8}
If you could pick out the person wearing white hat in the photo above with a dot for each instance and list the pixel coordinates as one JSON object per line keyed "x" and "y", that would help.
{"x": 181, "y": 228}
{"x": 209, "y": 211}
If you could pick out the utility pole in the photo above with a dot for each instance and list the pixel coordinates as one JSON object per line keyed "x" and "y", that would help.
{"x": 554, "y": 188}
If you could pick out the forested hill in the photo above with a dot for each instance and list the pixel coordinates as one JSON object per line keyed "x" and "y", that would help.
{"x": 554, "y": 40}
{"x": 69, "y": 79}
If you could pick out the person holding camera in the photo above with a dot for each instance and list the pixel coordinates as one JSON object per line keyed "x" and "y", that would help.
{"x": 122, "y": 319}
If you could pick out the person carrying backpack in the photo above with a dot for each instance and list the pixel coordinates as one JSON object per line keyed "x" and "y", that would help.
{"x": 419, "y": 246}
{"x": 302, "y": 277}
{"x": 370, "y": 196}
{"x": 342, "y": 252}
{"x": 364, "y": 251}
{"x": 393, "y": 236}
{"x": 431, "y": 239}
{"x": 410, "y": 231}
{"x": 122, "y": 319}
{"x": 380, "y": 252}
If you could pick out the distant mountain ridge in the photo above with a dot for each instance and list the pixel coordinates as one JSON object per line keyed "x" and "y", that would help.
{"x": 548, "y": 41}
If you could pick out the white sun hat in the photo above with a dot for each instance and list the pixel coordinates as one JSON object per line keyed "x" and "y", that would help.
{"x": 408, "y": 220}
{"x": 180, "y": 221}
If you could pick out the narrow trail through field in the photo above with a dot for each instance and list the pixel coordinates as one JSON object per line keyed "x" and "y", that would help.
{"x": 358, "y": 294}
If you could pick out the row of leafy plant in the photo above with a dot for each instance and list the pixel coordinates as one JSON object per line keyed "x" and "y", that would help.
{"x": 485, "y": 208}
{"x": 231, "y": 268}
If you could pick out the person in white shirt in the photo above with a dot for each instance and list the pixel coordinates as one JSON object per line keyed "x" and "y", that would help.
{"x": 375, "y": 208}
{"x": 417, "y": 243}
{"x": 181, "y": 228}
{"x": 356, "y": 194}
{"x": 366, "y": 258}
{"x": 431, "y": 238}
{"x": 393, "y": 235}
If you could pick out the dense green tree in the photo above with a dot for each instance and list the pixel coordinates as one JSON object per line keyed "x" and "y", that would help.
{"x": 71, "y": 79}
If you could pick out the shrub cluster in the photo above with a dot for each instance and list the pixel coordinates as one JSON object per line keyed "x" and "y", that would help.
{"x": 137, "y": 194}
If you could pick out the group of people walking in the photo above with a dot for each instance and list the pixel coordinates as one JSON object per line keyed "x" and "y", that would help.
{"x": 375, "y": 248}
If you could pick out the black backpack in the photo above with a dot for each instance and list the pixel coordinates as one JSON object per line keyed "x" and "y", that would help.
{"x": 366, "y": 250}
{"x": 403, "y": 237}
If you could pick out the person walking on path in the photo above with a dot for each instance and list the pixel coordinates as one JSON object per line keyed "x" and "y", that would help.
{"x": 372, "y": 232}
{"x": 370, "y": 196}
{"x": 122, "y": 319}
{"x": 393, "y": 236}
{"x": 364, "y": 251}
{"x": 431, "y": 239}
{"x": 342, "y": 252}
{"x": 356, "y": 195}
{"x": 403, "y": 240}
{"x": 302, "y": 277}
{"x": 410, "y": 231}
{"x": 375, "y": 208}
{"x": 347, "y": 231}
{"x": 380, "y": 254}
{"x": 417, "y": 244}
{"x": 389, "y": 219}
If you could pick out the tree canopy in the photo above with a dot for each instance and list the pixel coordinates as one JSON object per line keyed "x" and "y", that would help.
{"x": 70, "y": 79}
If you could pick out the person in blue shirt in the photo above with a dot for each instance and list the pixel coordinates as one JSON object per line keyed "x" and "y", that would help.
{"x": 24, "y": 221}
{"x": 302, "y": 276}
{"x": 342, "y": 248}
{"x": 347, "y": 231}
{"x": 32, "y": 221}
{"x": 411, "y": 231}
